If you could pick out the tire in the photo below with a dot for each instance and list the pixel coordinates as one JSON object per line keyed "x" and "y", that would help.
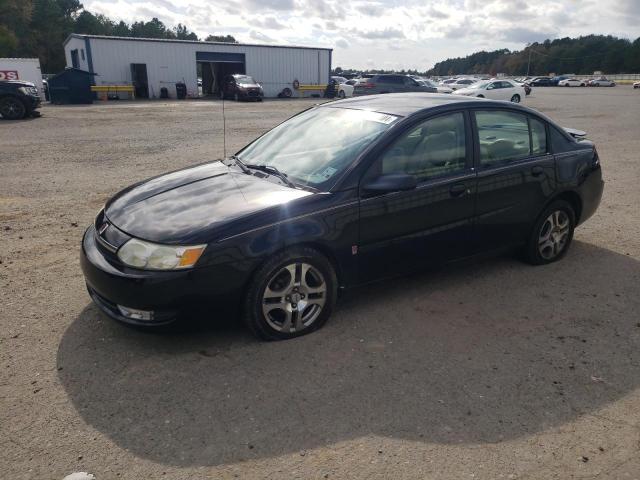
{"x": 552, "y": 234}
{"x": 268, "y": 309}
{"x": 287, "y": 92}
{"x": 341, "y": 94}
{"x": 480, "y": 96}
{"x": 259, "y": 99}
{"x": 11, "y": 108}
{"x": 515, "y": 98}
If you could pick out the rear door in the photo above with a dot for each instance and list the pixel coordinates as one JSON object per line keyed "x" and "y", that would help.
{"x": 516, "y": 175}
{"x": 406, "y": 230}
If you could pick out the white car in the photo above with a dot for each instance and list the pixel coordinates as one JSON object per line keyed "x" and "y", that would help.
{"x": 461, "y": 83}
{"x": 571, "y": 82}
{"x": 601, "y": 82}
{"x": 345, "y": 90}
{"x": 636, "y": 85}
{"x": 495, "y": 90}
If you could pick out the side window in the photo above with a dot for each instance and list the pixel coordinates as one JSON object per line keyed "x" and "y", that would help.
{"x": 503, "y": 137}
{"x": 434, "y": 148}
{"x": 559, "y": 142}
{"x": 538, "y": 137}
{"x": 492, "y": 86}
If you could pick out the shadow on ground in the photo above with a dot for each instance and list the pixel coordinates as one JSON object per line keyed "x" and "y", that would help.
{"x": 475, "y": 353}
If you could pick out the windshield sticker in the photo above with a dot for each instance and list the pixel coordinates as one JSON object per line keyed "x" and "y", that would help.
{"x": 328, "y": 172}
{"x": 384, "y": 118}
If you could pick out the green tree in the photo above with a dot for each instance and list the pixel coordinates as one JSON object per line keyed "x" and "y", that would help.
{"x": 220, "y": 38}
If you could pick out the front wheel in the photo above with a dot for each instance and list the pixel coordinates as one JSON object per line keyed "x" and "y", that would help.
{"x": 291, "y": 295}
{"x": 515, "y": 98}
{"x": 552, "y": 234}
{"x": 12, "y": 108}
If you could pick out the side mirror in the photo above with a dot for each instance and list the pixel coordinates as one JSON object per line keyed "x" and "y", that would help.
{"x": 391, "y": 182}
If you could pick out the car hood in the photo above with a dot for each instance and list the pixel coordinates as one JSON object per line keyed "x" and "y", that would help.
{"x": 186, "y": 206}
{"x": 249, "y": 85}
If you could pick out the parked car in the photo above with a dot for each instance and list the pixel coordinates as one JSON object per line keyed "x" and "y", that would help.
{"x": 390, "y": 83}
{"x": 636, "y": 85}
{"x": 279, "y": 228}
{"x": 461, "y": 83}
{"x": 495, "y": 90}
{"x": 343, "y": 90}
{"x": 18, "y": 99}
{"x": 557, "y": 79}
{"x": 447, "y": 82}
{"x": 440, "y": 89}
{"x": 601, "y": 82}
{"x": 571, "y": 82}
{"x": 541, "y": 82}
{"x": 241, "y": 87}
{"x": 527, "y": 88}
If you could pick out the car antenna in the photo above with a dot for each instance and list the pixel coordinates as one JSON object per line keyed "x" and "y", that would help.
{"x": 224, "y": 129}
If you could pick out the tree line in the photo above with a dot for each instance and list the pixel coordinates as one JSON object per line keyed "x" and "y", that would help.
{"x": 580, "y": 56}
{"x": 37, "y": 28}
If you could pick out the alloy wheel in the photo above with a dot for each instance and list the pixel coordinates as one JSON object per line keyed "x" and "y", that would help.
{"x": 12, "y": 109}
{"x": 294, "y": 297}
{"x": 554, "y": 234}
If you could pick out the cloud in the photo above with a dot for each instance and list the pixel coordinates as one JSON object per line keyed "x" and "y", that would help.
{"x": 260, "y": 37}
{"x": 270, "y": 23}
{"x": 395, "y": 31}
{"x": 385, "y": 34}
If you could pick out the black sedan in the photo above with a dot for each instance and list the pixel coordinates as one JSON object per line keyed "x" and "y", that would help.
{"x": 403, "y": 182}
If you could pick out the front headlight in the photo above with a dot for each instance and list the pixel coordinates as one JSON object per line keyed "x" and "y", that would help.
{"x": 28, "y": 90}
{"x": 151, "y": 256}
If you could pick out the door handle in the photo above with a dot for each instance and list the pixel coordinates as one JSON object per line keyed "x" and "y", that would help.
{"x": 537, "y": 171}
{"x": 458, "y": 190}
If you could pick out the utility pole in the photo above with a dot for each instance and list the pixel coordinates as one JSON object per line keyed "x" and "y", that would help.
{"x": 529, "y": 62}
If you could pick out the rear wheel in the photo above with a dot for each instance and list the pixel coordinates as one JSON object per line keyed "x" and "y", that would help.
{"x": 12, "y": 108}
{"x": 291, "y": 295}
{"x": 515, "y": 98}
{"x": 552, "y": 234}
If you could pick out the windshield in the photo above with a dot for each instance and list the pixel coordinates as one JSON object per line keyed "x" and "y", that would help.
{"x": 479, "y": 85}
{"x": 244, "y": 79}
{"x": 314, "y": 147}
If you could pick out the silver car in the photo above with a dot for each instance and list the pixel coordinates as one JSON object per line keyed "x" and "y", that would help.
{"x": 391, "y": 83}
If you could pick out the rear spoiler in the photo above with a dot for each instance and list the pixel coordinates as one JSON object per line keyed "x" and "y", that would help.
{"x": 577, "y": 134}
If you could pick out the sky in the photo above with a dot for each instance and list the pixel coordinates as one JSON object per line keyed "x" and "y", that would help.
{"x": 389, "y": 34}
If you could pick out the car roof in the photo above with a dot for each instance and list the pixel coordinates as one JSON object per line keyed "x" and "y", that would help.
{"x": 406, "y": 104}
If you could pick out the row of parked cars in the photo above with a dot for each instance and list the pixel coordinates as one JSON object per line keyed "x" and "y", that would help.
{"x": 569, "y": 81}
{"x": 495, "y": 89}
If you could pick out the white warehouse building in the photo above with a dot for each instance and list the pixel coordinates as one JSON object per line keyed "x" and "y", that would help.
{"x": 151, "y": 64}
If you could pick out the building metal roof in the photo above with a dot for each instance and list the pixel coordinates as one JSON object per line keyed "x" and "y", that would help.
{"x": 173, "y": 40}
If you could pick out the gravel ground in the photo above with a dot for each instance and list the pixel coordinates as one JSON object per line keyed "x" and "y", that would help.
{"x": 488, "y": 369}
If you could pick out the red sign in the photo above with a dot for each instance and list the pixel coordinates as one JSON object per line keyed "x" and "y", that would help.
{"x": 9, "y": 75}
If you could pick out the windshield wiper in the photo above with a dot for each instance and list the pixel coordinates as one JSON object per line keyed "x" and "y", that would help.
{"x": 271, "y": 170}
{"x": 239, "y": 162}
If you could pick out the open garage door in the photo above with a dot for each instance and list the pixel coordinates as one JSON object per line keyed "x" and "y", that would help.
{"x": 214, "y": 66}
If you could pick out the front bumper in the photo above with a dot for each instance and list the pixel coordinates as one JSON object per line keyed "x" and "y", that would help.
{"x": 32, "y": 102}
{"x": 170, "y": 295}
{"x": 251, "y": 94}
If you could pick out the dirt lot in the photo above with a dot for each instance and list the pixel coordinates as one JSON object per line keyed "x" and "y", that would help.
{"x": 490, "y": 369}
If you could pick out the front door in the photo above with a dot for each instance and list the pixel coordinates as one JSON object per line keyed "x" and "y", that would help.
{"x": 403, "y": 231}
{"x": 516, "y": 176}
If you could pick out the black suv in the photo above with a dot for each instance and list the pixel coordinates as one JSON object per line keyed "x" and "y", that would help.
{"x": 18, "y": 99}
